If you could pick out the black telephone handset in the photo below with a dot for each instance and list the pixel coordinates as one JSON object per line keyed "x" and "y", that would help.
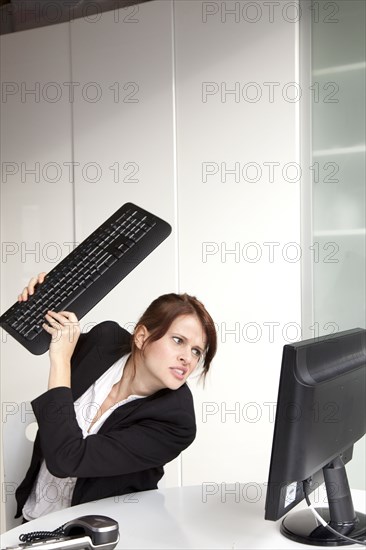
{"x": 102, "y": 530}
{"x": 85, "y": 532}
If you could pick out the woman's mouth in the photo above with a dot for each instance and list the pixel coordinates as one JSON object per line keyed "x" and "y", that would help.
{"x": 179, "y": 372}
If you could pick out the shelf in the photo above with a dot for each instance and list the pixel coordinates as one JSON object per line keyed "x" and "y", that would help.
{"x": 340, "y": 233}
{"x": 361, "y": 66}
{"x": 355, "y": 149}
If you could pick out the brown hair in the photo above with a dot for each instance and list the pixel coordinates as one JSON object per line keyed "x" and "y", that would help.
{"x": 164, "y": 310}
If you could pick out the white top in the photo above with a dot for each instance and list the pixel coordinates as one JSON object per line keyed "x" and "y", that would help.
{"x": 50, "y": 493}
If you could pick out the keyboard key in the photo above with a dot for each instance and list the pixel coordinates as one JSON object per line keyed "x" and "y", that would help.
{"x": 111, "y": 261}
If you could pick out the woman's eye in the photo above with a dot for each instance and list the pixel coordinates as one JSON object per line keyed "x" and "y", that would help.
{"x": 177, "y": 340}
{"x": 196, "y": 352}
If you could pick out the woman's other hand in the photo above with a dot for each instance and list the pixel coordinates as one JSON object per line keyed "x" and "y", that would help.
{"x": 65, "y": 331}
{"x": 29, "y": 290}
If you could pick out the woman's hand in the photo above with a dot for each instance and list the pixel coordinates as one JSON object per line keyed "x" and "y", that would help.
{"x": 29, "y": 290}
{"x": 65, "y": 331}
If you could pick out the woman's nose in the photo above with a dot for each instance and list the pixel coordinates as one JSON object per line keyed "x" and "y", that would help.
{"x": 184, "y": 356}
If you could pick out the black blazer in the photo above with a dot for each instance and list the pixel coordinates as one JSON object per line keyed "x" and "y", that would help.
{"x": 129, "y": 451}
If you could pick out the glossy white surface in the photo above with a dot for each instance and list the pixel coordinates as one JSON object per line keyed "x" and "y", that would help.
{"x": 189, "y": 517}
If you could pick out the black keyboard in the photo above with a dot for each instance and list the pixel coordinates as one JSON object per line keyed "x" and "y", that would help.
{"x": 87, "y": 274}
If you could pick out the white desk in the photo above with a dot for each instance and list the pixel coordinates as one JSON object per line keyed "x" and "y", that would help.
{"x": 187, "y": 517}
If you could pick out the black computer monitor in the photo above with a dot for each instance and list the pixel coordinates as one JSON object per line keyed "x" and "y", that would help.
{"x": 321, "y": 413}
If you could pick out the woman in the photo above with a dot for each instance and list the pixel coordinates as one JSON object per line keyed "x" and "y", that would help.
{"x": 117, "y": 408}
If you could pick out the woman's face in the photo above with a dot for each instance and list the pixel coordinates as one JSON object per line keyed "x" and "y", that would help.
{"x": 168, "y": 362}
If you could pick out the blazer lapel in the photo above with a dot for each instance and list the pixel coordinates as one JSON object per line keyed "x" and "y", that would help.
{"x": 92, "y": 365}
{"x": 124, "y": 411}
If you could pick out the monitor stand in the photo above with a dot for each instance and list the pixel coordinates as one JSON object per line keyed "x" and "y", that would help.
{"x": 304, "y": 527}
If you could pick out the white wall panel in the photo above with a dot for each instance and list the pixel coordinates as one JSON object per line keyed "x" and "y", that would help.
{"x": 235, "y": 111}
{"x": 124, "y": 140}
{"x": 36, "y": 191}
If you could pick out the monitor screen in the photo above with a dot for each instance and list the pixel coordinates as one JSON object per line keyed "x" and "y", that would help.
{"x": 321, "y": 413}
